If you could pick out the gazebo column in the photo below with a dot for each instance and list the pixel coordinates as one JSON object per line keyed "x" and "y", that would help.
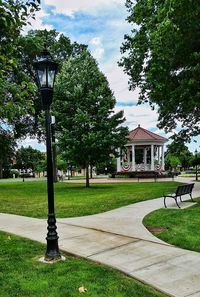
{"x": 152, "y": 157}
{"x": 119, "y": 161}
{"x": 145, "y": 158}
{"x": 163, "y": 158}
{"x": 159, "y": 155}
{"x": 133, "y": 157}
{"x": 128, "y": 155}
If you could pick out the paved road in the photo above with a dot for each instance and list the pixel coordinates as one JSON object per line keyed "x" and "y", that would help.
{"x": 118, "y": 238}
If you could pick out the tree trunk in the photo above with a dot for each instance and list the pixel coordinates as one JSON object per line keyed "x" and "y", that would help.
{"x": 1, "y": 170}
{"x": 90, "y": 171}
{"x": 87, "y": 177}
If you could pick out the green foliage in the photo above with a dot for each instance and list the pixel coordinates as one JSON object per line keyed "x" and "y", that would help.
{"x": 29, "y": 158}
{"x": 110, "y": 166}
{"x": 89, "y": 131}
{"x": 31, "y": 120}
{"x": 195, "y": 159}
{"x": 14, "y": 91}
{"x": 41, "y": 165}
{"x": 14, "y": 15}
{"x": 18, "y": 92}
{"x": 178, "y": 154}
{"x": 173, "y": 161}
{"x": 61, "y": 164}
{"x": 161, "y": 57}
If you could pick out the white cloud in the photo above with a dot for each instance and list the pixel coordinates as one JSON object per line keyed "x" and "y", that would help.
{"x": 96, "y": 48}
{"x": 33, "y": 143}
{"x": 140, "y": 114}
{"x": 70, "y": 7}
{"x": 98, "y": 53}
{"x": 118, "y": 81}
{"x": 96, "y": 41}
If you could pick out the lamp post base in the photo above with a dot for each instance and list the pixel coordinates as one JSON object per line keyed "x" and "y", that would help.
{"x": 52, "y": 252}
{"x": 43, "y": 260}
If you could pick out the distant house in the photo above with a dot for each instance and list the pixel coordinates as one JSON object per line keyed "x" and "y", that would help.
{"x": 144, "y": 151}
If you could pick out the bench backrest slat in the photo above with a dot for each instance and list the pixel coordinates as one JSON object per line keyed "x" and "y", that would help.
{"x": 185, "y": 189}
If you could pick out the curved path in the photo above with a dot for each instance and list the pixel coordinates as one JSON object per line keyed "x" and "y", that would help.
{"x": 119, "y": 239}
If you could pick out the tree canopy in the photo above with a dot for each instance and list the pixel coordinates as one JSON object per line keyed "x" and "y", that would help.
{"x": 88, "y": 129}
{"x": 14, "y": 91}
{"x": 24, "y": 116}
{"x": 162, "y": 58}
{"x": 178, "y": 154}
{"x": 29, "y": 158}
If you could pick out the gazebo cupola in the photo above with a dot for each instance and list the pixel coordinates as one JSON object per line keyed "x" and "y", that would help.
{"x": 144, "y": 151}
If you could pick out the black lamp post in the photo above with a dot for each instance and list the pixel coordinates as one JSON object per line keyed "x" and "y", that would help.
{"x": 196, "y": 164}
{"x": 46, "y": 70}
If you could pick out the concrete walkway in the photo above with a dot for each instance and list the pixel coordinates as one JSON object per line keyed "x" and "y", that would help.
{"x": 118, "y": 238}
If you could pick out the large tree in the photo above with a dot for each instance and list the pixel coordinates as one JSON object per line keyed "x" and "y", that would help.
{"x": 20, "y": 106}
{"x": 162, "y": 58}
{"x": 14, "y": 91}
{"x": 178, "y": 150}
{"x": 89, "y": 131}
{"x": 28, "y": 48}
{"x": 29, "y": 159}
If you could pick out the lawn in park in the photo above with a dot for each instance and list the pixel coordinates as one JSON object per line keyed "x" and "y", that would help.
{"x": 179, "y": 227}
{"x": 21, "y": 274}
{"x": 71, "y": 200}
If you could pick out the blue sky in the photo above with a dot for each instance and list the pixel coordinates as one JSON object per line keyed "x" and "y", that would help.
{"x": 101, "y": 24}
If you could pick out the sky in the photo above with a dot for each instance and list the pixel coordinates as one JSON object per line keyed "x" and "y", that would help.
{"x": 101, "y": 24}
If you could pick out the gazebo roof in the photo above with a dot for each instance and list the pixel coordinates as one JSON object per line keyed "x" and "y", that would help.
{"x": 141, "y": 134}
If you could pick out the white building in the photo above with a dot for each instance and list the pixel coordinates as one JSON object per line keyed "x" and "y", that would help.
{"x": 144, "y": 151}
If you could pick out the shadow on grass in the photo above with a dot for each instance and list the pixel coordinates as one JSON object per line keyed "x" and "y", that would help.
{"x": 74, "y": 187}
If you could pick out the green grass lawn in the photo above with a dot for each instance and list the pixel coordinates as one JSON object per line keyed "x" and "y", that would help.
{"x": 21, "y": 274}
{"x": 180, "y": 226}
{"x": 30, "y": 198}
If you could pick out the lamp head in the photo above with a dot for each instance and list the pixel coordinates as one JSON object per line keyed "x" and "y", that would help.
{"x": 45, "y": 69}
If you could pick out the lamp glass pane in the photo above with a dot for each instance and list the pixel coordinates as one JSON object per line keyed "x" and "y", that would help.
{"x": 51, "y": 75}
{"x": 42, "y": 77}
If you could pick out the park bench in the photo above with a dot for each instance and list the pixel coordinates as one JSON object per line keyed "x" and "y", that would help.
{"x": 180, "y": 191}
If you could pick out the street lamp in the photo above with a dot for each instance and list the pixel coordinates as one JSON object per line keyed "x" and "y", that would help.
{"x": 196, "y": 164}
{"x": 46, "y": 70}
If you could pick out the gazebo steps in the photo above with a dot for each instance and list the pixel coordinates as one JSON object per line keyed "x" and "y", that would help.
{"x": 139, "y": 174}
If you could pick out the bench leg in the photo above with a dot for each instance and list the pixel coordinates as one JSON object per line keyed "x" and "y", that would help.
{"x": 191, "y": 197}
{"x": 177, "y": 202}
{"x": 165, "y": 202}
{"x": 181, "y": 199}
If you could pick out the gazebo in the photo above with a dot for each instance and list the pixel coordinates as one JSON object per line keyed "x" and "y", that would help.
{"x": 144, "y": 152}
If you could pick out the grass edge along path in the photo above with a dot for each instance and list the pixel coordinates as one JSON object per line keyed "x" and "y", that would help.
{"x": 21, "y": 274}
{"x": 73, "y": 200}
{"x": 179, "y": 227}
